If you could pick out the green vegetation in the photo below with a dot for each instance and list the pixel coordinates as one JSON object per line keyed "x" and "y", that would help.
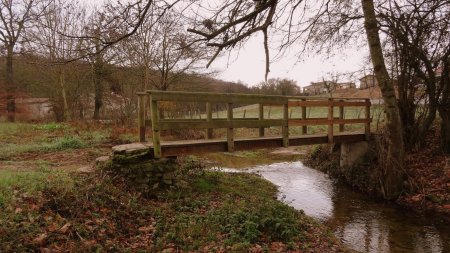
{"x": 22, "y": 138}
{"x": 47, "y": 205}
{"x": 213, "y": 212}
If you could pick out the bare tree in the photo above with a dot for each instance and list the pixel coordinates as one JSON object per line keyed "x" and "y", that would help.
{"x": 393, "y": 173}
{"x": 174, "y": 56}
{"x": 15, "y": 16}
{"x": 47, "y": 39}
{"x": 419, "y": 38}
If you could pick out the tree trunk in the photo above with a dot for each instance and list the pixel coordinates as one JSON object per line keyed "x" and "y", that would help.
{"x": 98, "y": 81}
{"x": 10, "y": 86}
{"x": 444, "y": 112}
{"x": 98, "y": 88}
{"x": 393, "y": 172}
{"x": 62, "y": 83}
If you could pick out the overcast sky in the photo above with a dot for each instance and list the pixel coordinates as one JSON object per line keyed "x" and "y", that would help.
{"x": 248, "y": 64}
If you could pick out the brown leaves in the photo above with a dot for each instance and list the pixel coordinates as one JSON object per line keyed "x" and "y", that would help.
{"x": 429, "y": 171}
{"x": 40, "y": 239}
{"x": 64, "y": 229}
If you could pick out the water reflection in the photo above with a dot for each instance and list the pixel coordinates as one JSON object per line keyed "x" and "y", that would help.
{"x": 364, "y": 225}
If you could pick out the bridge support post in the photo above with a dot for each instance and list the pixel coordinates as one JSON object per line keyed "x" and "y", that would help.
{"x": 367, "y": 126}
{"x": 341, "y": 116}
{"x": 330, "y": 120}
{"x": 261, "y": 117}
{"x": 141, "y": 116}
{"x": 304, "y": 127}
{"x": 230, "y": 134}
{"x": 155, "y": 128}
{"x": 209, "y": 131}
{"x": 285, "y": 129}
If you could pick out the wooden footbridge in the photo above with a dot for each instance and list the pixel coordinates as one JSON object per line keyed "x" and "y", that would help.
{"x": 151, "y": 100}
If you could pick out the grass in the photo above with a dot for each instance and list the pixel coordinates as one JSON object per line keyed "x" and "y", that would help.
{"x": 87, "y": 213}
{"x": 19, "y": 138}
{"x": 28, "y": 182}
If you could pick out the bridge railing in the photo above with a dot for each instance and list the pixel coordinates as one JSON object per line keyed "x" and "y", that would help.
{"x": 152, "y": 99}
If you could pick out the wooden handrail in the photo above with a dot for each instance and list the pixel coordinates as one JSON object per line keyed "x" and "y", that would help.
{"x": 230, "y": 123}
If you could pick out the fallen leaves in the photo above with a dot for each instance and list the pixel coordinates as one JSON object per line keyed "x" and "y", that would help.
{"x": 429, "y": 171}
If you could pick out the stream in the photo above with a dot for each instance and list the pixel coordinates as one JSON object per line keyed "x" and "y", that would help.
{"x": 363, "y": 224}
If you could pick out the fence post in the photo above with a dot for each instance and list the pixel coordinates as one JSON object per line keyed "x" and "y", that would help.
{"x": 230, "y": 136}
{"x": 155, "y": 128}
{"x": 261, "y": 117}
{"x": 209, "y": 131}
{"x": 304, "y": 128}
{"x": 341, "y": 116}
{"x": 367, "y": 126}
{"x": 285, "y": 129}
{"x": 141, "y": 116}
{"x": 330, "y": 120}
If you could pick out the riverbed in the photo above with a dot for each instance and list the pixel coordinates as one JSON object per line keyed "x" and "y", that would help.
{"x": 363, "y": 224}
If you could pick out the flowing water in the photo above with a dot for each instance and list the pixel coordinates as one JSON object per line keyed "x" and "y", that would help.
{"x": 363, "y": 224}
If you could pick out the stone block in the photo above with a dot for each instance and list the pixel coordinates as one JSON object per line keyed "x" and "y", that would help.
{"x": 353, "y": 154}
{"x": 131, "y": 148}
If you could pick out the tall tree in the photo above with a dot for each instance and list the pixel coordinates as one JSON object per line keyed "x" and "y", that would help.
{"x": 15, "y": 17}
{"x": 393, "y": 172}
{"x": 49, "y": 40}
{"x": 418, "y": 34}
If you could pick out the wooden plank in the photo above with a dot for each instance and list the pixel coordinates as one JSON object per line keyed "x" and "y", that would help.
{"x": 141, "y": 117}
{"x": 285, "y": 127}
{"x": 304, "y": 127}
{"x": 247, "y": 123}
{"x": 176, "y": 148}
{"x": 155, "y": 128}
{"x": 203, "y": 120}
{"x": 330, "y": 120}
{"x": 311, "y": 103}
{"x": 209, "y": 131}
{"x": 230, "y": 132}
{"x": 216, "y": 97}
{"x": 367, "y": 126}
{"x": 349, "y": 104}
{"x": 347, "y": 137}
{"x": 341, "y": 116}
{"x": 350, "y": 121}
{"x": 261, "y": 117}
{"x": 308, "y": 103}
{"x": 308, "y": 122}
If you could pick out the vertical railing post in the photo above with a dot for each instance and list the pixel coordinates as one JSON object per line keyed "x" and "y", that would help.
{"x": 367, "y": 126}
{"x": 209, "y": 131}
{"x": 304, "y": 127}
{"x": 155, "y": 128}
{"x": 330, "y": 120}
{"x": 285, "y": 129}
{"x": 141, "y": 116}
{"x": 230, "y": 134}
{"x": 261, "y": 117}
{"x": 341, "y": 117}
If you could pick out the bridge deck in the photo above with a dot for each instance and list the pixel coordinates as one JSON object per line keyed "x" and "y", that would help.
{"x": 176, "y": 148}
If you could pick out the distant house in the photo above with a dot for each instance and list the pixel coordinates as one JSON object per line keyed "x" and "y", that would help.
{"x": 368, "y": 81}
{"x": 319, "y": 87}
{"x": 29, "y": 109}
{"x": 343, "y": 86}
